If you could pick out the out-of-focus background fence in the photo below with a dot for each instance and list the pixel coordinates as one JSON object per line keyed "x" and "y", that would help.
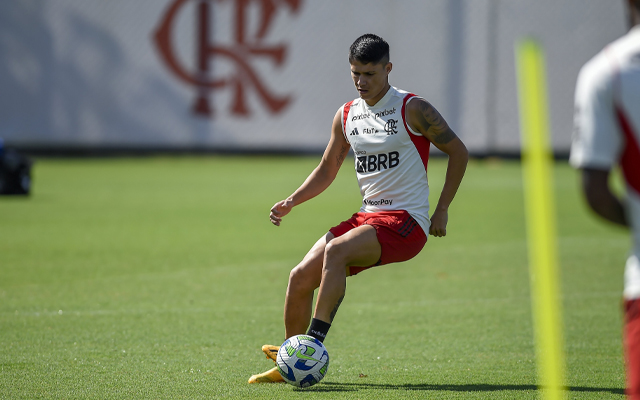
{"x": 268, "y": 75}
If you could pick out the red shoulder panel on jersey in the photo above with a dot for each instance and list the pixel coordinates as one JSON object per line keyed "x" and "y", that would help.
{"x": 630, "y": 161}
{"x": 345, "y": 112}
{"x": 422, "y": 143}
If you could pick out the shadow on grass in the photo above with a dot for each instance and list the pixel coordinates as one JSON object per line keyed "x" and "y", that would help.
{"x": 474, "y": 387}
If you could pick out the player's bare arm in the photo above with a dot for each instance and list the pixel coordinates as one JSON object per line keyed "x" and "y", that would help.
{"x": 422, "y": 117}
{"x": 595, "y": 185}
{"x": 322, "y": 175}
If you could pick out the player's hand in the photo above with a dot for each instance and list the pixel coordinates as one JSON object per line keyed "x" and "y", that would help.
{"x": 439, "y": 221}
{"x": 279, "y": 210}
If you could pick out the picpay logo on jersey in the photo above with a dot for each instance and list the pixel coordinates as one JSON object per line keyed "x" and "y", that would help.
{"x": 377, "y": 162}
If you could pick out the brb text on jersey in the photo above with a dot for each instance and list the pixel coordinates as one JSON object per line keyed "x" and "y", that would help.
{"x": 377, "y": 162}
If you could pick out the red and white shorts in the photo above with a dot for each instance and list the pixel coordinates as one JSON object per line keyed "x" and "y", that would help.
{"x": 400, "y": 236}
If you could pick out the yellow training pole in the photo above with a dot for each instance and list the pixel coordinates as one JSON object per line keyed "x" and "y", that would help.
{"x": 540, "y": 217}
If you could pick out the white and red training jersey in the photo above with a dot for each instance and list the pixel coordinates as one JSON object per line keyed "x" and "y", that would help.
{"x": 607, "y": 128}
{"x": 390, "y": 158}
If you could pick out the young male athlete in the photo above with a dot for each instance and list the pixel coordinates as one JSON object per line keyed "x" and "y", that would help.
{"x": 607, "y": 132}
{"x": 389, "y": 131}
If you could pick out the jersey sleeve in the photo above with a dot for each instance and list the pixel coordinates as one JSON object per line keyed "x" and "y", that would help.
{"x": 596, "y": 141}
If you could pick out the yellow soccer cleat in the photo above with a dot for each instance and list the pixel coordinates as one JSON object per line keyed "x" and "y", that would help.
{"x": 271, "y": 376}
{"x": 271, "y": 351}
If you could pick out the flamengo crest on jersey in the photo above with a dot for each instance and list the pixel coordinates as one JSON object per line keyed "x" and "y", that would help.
{"x": 390, "y": 159}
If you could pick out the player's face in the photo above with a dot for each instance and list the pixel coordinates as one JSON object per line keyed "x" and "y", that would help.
{"x": 371, "y": 80}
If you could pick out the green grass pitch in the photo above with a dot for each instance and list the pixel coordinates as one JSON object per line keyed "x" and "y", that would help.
{"x": 162, "y": 277}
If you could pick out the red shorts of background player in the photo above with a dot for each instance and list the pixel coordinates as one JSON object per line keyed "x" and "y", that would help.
{"x": 399, "y": 235}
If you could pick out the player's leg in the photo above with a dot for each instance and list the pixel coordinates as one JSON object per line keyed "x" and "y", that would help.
{"x": 632, "y": 347}
{"x": 298, "y": 302}
{"x": 359, "y": 246}
{"x": 303, "y": 281}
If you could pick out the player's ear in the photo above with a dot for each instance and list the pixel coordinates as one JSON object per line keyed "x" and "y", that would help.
{"x": 388, "y": 67}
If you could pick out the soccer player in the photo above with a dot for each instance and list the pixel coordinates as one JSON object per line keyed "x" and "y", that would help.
{"x": 390, "y": 132}
{"x": 607, "y": 132}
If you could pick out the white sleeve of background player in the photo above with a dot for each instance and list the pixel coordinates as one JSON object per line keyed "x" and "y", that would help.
{"x": 596, "y": 140}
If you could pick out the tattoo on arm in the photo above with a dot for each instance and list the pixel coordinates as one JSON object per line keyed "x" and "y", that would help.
{"x": 341, "y": 156}
{"x": 437, "y": 128}
{"x": 445, "y": 137}
{"x": 335, "y": 309}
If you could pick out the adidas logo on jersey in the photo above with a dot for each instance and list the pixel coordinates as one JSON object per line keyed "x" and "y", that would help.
{"x": 366, "y": 131}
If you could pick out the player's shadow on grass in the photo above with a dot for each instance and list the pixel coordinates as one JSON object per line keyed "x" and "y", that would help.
{"x": 473, "y": 387}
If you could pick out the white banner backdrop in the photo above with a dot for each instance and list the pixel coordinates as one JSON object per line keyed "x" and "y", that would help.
{"x": 269, "y": 75}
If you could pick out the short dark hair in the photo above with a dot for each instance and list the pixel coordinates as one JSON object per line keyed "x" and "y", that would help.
{"x": 369, "y": 48}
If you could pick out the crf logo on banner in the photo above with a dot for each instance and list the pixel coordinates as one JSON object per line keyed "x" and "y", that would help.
{"x": 245, "y": 49}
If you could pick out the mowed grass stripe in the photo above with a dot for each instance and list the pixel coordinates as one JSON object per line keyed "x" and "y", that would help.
{"x": 170, "y": 278}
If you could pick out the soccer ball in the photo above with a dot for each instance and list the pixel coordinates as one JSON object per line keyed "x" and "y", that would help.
{"x": 302, "y": 361}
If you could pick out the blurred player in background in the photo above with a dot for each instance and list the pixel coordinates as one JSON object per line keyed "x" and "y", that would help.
{"x": 390, "y": 132}
{"x": 607, "y": 133}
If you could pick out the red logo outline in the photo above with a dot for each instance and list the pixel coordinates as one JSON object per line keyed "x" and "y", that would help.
{"x": 242, "y": 49}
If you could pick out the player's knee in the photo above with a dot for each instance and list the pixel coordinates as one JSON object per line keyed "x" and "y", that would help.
{"x": 335, "y": 255}
{"x": 296, "y": 276}
{"x": 300, "y": 280}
